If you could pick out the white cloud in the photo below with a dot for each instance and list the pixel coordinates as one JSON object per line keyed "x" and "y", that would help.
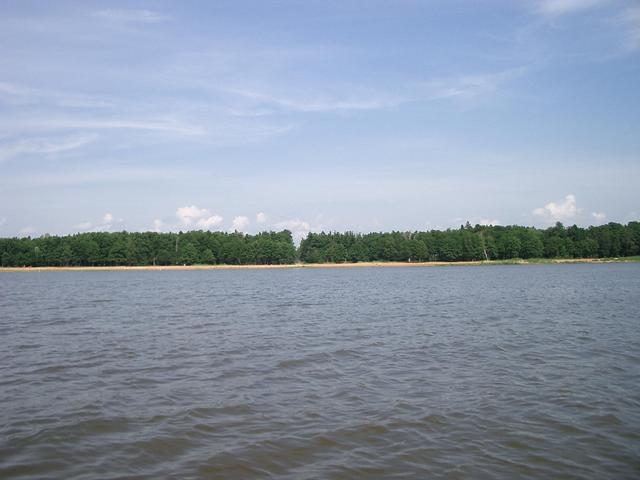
{"x": 298, "y": 228}
{"x": 104, "y": 225}
{"x": 189, "y": 215}
{"x": 599, "y": 216}
{"x": 561, "y": 7}
{"x": 44, "y": 146}
{"x": 558, "y": 212}
{"x": 456, "y": 222}
{"x": 159, "y": 225}
{"x": 295, "y": 224}
{"x": 240, "y": 223}
{"x": 83, "y": 226}
{"x": 486, "y": 221}
{"x": 199, "y": 217}
{"x": 209, "y": 222}
{"x": 261, "y": 217}
{"x": 107, "y": 222}
{"x": 125, "y": 16}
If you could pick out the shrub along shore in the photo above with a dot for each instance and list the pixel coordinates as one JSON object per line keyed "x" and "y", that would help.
{"x": 471, "y": 245}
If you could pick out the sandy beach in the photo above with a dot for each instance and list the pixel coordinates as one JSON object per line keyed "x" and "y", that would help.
{"x": 319, "y": 265}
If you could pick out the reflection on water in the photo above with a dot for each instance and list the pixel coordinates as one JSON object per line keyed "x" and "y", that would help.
{"x": 493, "y": 372}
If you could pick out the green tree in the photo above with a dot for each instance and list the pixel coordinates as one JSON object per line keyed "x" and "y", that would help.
{"x": 188, "y": 254}
{"x": 207, "y": 257}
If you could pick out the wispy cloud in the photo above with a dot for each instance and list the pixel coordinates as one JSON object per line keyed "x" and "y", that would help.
{"x": 467, "y": 86}
{"x": 45, "y": 146}
{"x": 318, "y": 102}
{"x": 130, "y": 16}
{"x": 84, "y": 123}
{"x": 100, "y": 174}
{"x": 211, "y": 120}
{"x": 470, "y": 86}
{"x": 16, "y": 94}
{"x": 561, "y": 7}
{"x": 245, "y": 133}
{"x": 629, "y": 21}
{"x": 17, "y": 90}
{"x": 614, "y": 26}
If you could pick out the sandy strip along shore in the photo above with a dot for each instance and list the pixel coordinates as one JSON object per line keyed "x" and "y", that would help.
{"x": 313, "y": 265}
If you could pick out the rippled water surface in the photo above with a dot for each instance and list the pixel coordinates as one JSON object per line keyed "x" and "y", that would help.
{"x": 466, "y": 372}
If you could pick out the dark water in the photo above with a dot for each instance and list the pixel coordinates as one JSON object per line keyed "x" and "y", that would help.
{"x": 466, "y": 372}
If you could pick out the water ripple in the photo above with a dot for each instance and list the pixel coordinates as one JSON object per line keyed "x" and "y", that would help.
{"x": 493, "y": 372}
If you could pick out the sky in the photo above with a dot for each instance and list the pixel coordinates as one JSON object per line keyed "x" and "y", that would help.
{"x": 317, "y": 115}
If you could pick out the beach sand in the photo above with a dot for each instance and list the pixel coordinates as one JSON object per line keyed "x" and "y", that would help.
{"x": 312, "y": 265}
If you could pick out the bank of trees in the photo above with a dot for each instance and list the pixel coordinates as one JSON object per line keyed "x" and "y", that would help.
{"x": 149, "y": 248}
{"x": 203, "y": 247}
{"x": 474, "y": 243}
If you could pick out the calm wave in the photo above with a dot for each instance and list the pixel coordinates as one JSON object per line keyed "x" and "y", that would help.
{"x": 466, "y": 372}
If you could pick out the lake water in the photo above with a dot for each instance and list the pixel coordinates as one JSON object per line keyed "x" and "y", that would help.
{"x": 454, "y": 372}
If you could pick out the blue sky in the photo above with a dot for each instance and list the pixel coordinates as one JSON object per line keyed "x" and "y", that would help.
{"x": 314, "y": 115}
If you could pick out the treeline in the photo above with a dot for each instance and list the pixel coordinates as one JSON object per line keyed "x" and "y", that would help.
{"x": 474, "y": 243}
{"x": 148, "y": 248}
{"x": 204, "y": 247}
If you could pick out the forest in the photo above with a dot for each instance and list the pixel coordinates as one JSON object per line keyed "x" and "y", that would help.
{"x": 474, "y": 243}
{"x": 467, "y": 243}
{"x": 149, "y": 248}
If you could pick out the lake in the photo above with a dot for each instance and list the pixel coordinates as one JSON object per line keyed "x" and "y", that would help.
{"x": 455, "y": 372}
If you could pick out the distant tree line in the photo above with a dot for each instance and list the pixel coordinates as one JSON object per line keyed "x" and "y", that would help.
{"x": 149, "y": 248}
{"x": 474, "y": 243}
{"x": 203, "y": 247}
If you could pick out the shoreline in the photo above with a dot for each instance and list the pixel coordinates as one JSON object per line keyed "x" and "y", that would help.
{"x": 557, "y": 261}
